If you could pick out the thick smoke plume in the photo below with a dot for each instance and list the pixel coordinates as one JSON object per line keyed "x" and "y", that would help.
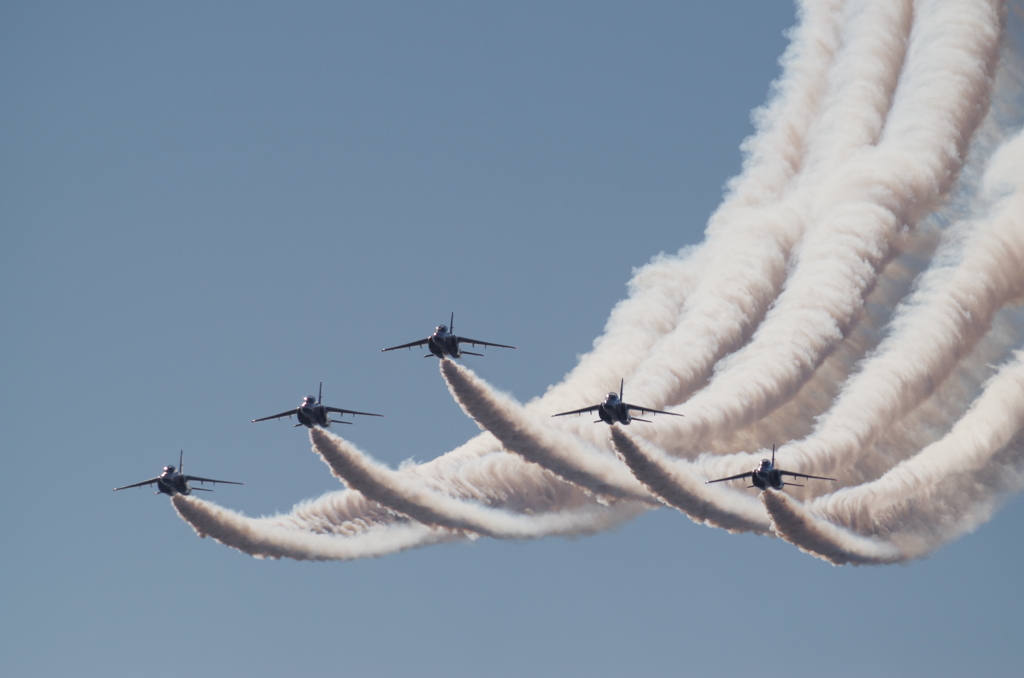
{"x": 856, "y": 300}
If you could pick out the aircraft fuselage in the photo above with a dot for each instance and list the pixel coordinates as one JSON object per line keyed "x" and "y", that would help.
{"x": 313, "y": 415}
{"x": 172, "y": 483}
{"x": 444, "y": 344}
{"x": 766, "y": 475}
{"x": 613, "y": 411}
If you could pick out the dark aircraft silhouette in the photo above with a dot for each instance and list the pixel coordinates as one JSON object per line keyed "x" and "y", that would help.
{"x": 311, "y": 413}
{"x": 444, "y": 344}
{"x": 614, "y": 410}
{"x": 766, "y": 475}
{"x": 172, "y": 482}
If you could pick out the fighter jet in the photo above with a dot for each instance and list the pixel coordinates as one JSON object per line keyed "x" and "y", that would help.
{"x": 614, "y": 410}
{"x": 172, "y": 481}
{"x": 312, "y": 413}
{"x": 444, "y": 344}
{"x": 766, "y": 475}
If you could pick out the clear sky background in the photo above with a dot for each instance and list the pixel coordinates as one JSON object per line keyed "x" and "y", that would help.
{"x": 207, "y": 208}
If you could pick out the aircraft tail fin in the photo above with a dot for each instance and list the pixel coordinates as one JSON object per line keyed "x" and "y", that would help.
{"x": 622, "y": 384}
{"x": 451, "y": 323}
{"x": 773, "y": 455}
{"x": 181, "y": 461}
{"x": 320, "y": 395}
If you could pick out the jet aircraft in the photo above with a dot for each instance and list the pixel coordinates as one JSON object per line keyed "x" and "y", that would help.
{"x": 312, "y": 413}
{"x": 444, "y": 344}
{"x": 613, "y": 409}
{"x": 172, "y": 481}
{"x": 766, "y": 475}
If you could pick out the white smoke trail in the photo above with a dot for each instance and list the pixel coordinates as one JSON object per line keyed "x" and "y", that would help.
{"x": 412, "y": 497}
{"x": 795, "y": 419}
{"x": 753, "y": 246}
{"x": 947, "y": 489}
{"x": 852, "y": 290}
{"x": 288, "y": 537}
{"x": 561, "y": 453}
{"x": 776, "y": 157}
{"x": 824, "y": 539}
{"x": 778, "y": 152}
{"x": 785, "y": 350}
{"x": 951, "y": 312}
{"x": 721, "y": 314}
{"x": 935, "y": 110}
{"x": 684, "y": 492}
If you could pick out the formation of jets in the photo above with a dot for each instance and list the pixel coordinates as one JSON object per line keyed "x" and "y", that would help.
{"x": 444, "y": 343}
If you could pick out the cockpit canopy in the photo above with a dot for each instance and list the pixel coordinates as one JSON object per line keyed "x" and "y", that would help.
{"x": 612, "y": 396}
{"x": 309, "y": 400}
{"x": 169, "y": 469}
{"x": 441, "y": 329}
{"x": 766, "y": 463}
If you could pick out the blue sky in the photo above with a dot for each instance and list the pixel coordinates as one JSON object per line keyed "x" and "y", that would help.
{"x": 207, "y": 208}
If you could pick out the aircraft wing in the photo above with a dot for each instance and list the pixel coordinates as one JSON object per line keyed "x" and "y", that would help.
{"x": 278, "y": 416}
{"x": 580, "y": 411}
{"x": 144, "y": 482}
{"x": 341, "y": 411}
{"x": 736, "y": 477}
{"x": 411, "y": 344}
{"x": 476, "y": 342}
{"x": 645, "y": 410}
{"x": 802, "y": 475}
{"x": 211, "y": 480}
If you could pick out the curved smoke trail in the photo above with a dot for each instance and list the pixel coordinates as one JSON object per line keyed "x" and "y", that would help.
{"x": 855, "y": 289}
